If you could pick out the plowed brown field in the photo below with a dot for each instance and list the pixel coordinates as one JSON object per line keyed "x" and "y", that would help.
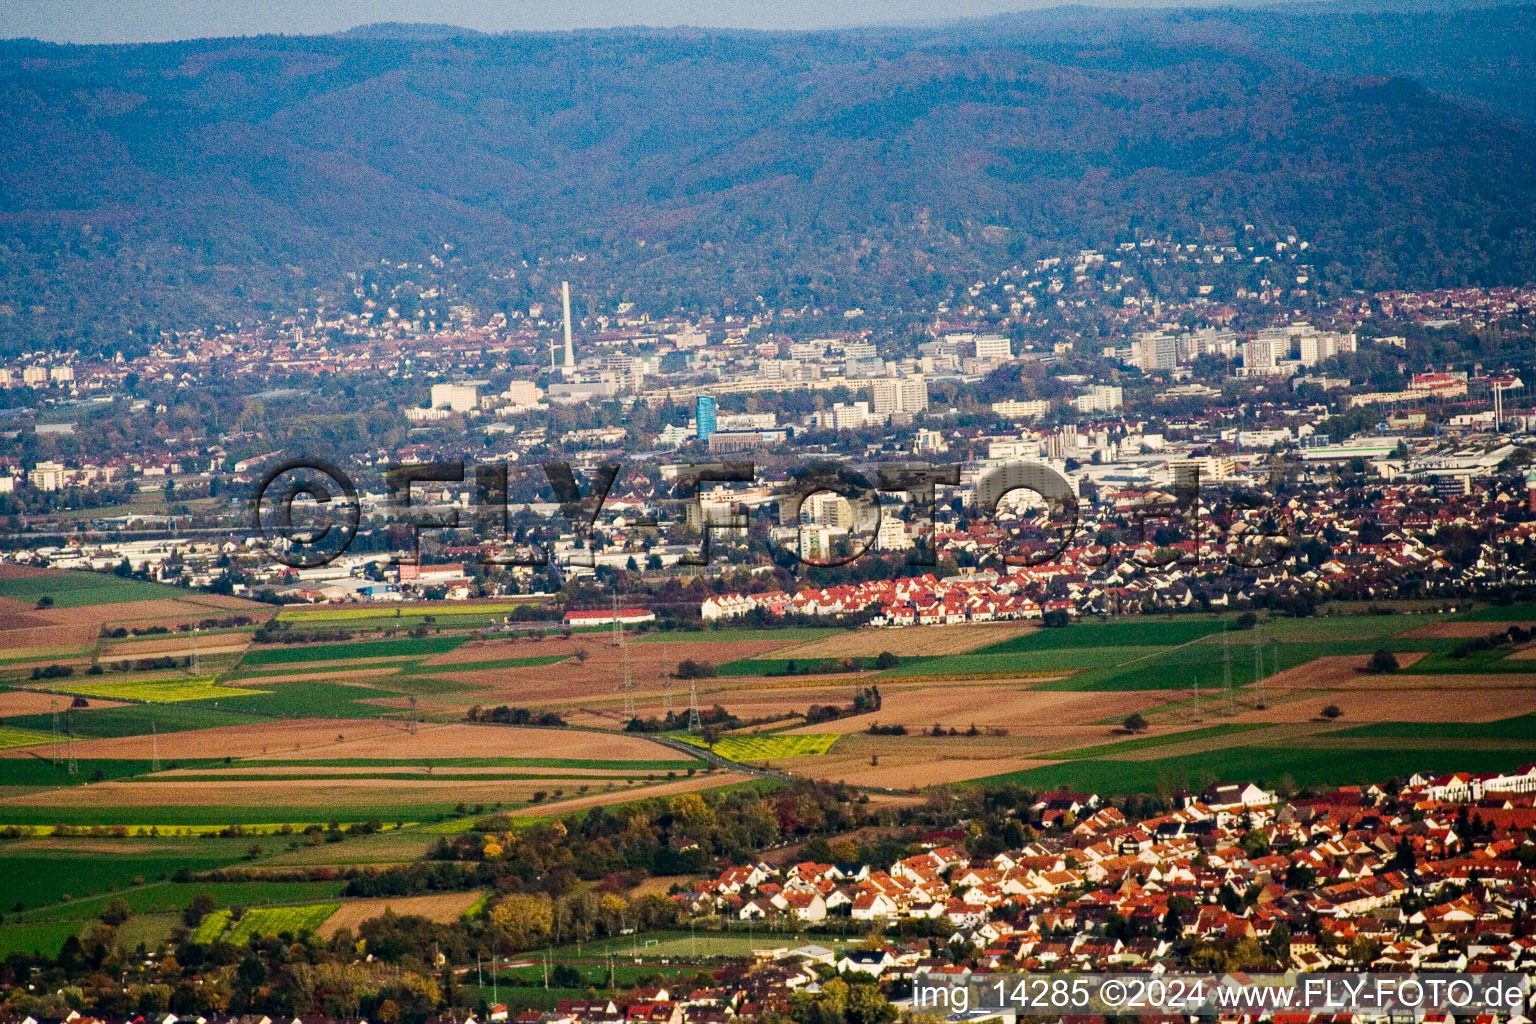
{"x": 443, "y": 908}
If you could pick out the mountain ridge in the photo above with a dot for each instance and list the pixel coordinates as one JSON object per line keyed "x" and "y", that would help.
{"x": 183, "y": 183}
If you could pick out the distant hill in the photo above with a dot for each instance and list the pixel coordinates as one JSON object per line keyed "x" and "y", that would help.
{"x": 406, "y": 30}
{"x": 202, "y": 181}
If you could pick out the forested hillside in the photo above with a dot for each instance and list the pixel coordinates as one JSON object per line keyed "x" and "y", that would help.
{"x": 191, "y": 182}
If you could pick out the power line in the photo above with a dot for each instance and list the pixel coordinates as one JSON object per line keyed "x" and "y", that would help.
{"x": 1226, "y": 667}
{"x": 628, "y": 686}
{"x": 1258, "y": 657}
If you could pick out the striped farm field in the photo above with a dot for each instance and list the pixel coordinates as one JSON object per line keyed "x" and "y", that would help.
{"x": 261, "y": 922}
{"x": 159, "y": 691}
{"x": 211, "y": 926}
{"x": 265, "y": 828}
{"x": 768, "y": 748}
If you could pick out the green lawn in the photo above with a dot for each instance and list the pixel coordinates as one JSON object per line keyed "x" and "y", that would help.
{"x": 684, "y": 945}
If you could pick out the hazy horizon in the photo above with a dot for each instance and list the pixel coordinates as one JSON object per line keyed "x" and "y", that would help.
{"x": 150, "y": 21}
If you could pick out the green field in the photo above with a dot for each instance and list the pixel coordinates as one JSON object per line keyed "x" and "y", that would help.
{"x": 439, "y": 611}
{"x": 81, "y": 589}
{"x": 316, "y": 700}
{"x": 1501, "y": 613}
{"x": 1305, "y": 765}
{"x": 35, "y": 879}
{"x": 43, "y": 771}
{"x": 1521, "y": 728}
{"x": 158, "y": 691}
{"x": 1336, "y": 628}
{"x": 261, "y": 922}
{"x": 156, "y": 897}
{"x": 22, "y": 655}
{"x": 409, "y": 647}
{"x": 1024, "y": 663}
{"x": 138, "y": 719}
{"x": 45, "y": 939}
{"x": 11, "y": 736}
{"x": 1166, "y": 739}
{"x": 492, "y": 663}
{"x": 1205, "y": 664}
{"x": 215, "y": 814}
{"x": 680, "y": 765}
{"x": 1134, "y": 632}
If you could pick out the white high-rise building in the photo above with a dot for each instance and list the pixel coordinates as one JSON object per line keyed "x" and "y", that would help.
{"x": 1101, "y": 398}
{"x": 892, "y": 535}
{"x": 1156, "y": 350}
{"x": 47, "y": 476}
{"x": 457, "y": 397}
{"x": 900, "y": 394}
{"x": 1022, "y": 410}
{"x": 1260, "y": 357}
{"x": 522, "y": 392}
{"x": 993, "y": 346}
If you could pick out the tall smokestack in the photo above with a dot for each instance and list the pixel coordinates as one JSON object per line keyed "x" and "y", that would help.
{"x": 565, "y": 301}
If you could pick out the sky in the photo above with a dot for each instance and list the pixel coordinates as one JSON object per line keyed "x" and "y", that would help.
{"x": 138, "y": 21}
